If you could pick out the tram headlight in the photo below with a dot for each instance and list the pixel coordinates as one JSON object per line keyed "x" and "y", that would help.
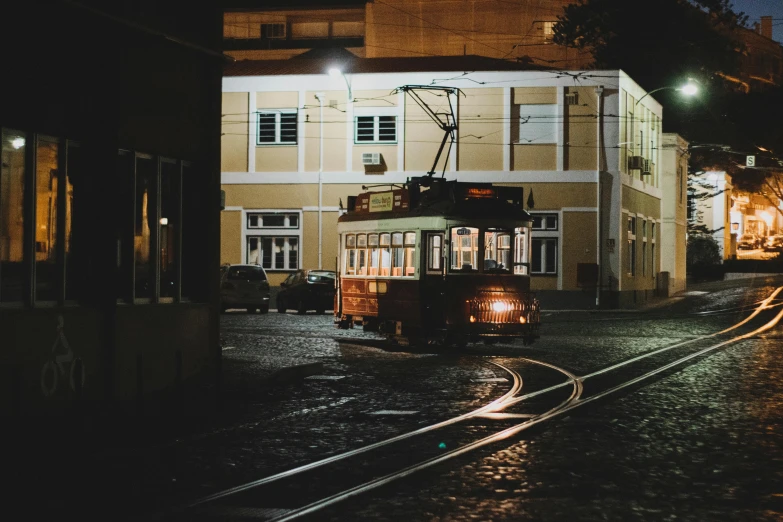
{"x": 472, "y": 318}
{"x": 522, "y": 319}
{"x": 499, "y": 306}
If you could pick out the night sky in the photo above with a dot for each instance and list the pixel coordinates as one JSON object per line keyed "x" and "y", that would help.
{"x": 755, "y": 9}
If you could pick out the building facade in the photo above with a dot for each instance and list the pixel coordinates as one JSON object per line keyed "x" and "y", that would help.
{"x": 109, "y": 208}
{"x": 584, "y": 145}
{"x": 674, "y": 211}
{"x": 519, "y": 31}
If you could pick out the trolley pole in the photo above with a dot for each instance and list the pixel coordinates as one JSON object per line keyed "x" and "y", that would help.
{"x": 598, "y": 165}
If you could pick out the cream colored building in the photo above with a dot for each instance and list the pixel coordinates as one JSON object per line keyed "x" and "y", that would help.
{"x": 674, "y": 211}
{"x": 715, "y": 212}
{"x": 587, "y": 145}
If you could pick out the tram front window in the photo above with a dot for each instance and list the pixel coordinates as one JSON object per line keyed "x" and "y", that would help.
{"x": 464, "y": 249}
{"x": 497, "y": 251}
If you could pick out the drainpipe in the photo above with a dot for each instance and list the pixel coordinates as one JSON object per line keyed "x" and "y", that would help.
{"x": 320, "y": 97}
{"x": 598, "y": 164}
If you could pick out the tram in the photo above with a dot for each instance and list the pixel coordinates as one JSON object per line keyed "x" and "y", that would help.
{"x": 437, "y": 261}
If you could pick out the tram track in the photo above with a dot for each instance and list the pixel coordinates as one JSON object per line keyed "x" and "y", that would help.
{"x": 511, "y": 398}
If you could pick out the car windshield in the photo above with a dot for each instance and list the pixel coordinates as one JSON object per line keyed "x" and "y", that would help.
{"x": 249, "y": 273}
{"x": 321, "y": 277}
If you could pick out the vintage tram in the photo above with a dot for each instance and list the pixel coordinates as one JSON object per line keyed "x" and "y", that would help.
{"x": 437, "y": 261}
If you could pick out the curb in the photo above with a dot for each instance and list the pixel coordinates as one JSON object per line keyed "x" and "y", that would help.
{"x": 287, "y": 374}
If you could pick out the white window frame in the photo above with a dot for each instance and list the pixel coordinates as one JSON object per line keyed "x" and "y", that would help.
{"x": 376, "y": 129}
{"x": 278, "y": 115}
{"x": 273, "y": 232}
{"x": 548, "y": 232}
{"x": 538, "y": 123}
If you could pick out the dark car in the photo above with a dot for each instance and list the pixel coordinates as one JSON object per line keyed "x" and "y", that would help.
{"x": 749, "y": 241}
{"x": 244, "y": 286}
{"x": 306, "y": 290}
{"x": 774, "y": 243}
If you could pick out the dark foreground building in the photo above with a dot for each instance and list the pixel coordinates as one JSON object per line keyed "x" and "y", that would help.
{"x": 109, "y": 208}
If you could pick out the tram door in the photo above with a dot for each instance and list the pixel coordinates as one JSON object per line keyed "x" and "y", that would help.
{"x": 433, "y": 265}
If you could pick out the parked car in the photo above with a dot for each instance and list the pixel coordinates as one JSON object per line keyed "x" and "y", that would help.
{"x": 774, "y": 243}
{"x": 244, "y": 286}
{"x": 749, "y": 242}
{"x": 306, "y": 290}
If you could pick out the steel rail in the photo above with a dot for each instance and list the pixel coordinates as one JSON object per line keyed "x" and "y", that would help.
{"x": 516, "y": 386}
{"x": 763, "y": 305}
{"x": 570, "y": 404}
{"x": 380, "y": 481}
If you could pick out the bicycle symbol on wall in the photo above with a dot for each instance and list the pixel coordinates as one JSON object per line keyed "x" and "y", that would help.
{"x": 54, "y": 369}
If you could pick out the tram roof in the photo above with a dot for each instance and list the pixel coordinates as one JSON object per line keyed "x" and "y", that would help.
{"x": 444, "y": 198}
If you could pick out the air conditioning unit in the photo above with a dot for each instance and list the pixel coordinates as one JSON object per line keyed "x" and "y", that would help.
{"x": 635, "y": 163}
{"x": 371, "y": 158}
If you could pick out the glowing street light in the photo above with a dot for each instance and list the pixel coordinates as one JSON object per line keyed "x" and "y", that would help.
{"x": 336, "y": 72}
{"x": 689, "y": 89}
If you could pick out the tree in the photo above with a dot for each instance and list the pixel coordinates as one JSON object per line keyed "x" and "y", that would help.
{"x": 702, "y": 250}
{"x": 674, "y": 40}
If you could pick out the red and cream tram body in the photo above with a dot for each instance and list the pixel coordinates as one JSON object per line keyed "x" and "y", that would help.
{"x": 437, "y": 260}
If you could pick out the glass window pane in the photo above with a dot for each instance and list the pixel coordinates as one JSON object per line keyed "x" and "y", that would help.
{"x": 410, "y": 238}
{"x": 12, "y": 216}
{"x": 74, "y": 274}
{"x": 274, "y": 220}
{"x": 253, "y": 250}
{"x": 145, "y": 227}
{"x": 361, "y": 240}
{"x": 46, "y": 180}
{"x": 350, "y": 240}
{"x": 293, "y": 221}
{"x": 288, "y": 127}
{"x": 169, "y": 228}
{"x": 385, "y": 239}
{"x": 266, "y": 252}
{"x": 551, "y": 256}
{"x": 293, "y": 253}
{"x": 434, "y": 251}
{"x": 536, "y": 257}
{"x": 365, "y": 128}
{"x": 279, "y": 253}
{"x": 266, "y": 128}
{"x": 387, "y": 128}
{"x": 397, "y": 239}
{"x": 464, "y": 248}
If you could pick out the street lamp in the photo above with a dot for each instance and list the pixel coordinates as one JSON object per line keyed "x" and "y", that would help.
{"x": 689, "y": 89}
{"x": 336, "y": 72}
{"x": 320, "y": 97}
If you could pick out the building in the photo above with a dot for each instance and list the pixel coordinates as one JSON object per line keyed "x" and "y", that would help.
{"x": 713, "y": 198}
{"x": 520, "y": 31}
{"x": 585, "y": 145}
{"x": 109, "y": 208}
{"x": 674, "y": 211}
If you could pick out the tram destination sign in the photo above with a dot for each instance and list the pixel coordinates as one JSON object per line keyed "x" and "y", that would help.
{"x": 389, "y": 201}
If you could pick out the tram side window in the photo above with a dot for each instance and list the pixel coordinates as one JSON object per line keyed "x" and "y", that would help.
{"x": 385, "y": 254}
{"x": 497, "y": 251}
{"x": 361, "y": 254}
{"x": 464, "y": 248}
{"x": 434, "y": 252}
{"x": 398, "y": 255}
{"x": 372, "y": 243}
{"x": 350, "y": 254}
{"x": 410, "y": 253}
{"x": 521, "y": 252}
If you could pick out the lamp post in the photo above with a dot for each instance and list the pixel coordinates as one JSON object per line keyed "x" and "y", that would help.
{"x": 320, "y": 97}
{"x": 689, "y": 89}
{"x": 336, "y": 72}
